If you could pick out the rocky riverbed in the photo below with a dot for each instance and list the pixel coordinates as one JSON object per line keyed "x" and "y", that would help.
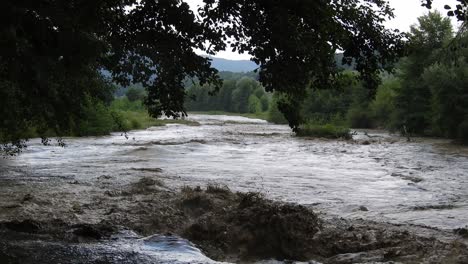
{"x": 144, "y": 222}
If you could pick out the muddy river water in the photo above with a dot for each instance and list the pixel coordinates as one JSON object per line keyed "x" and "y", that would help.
{"x": 378, "y": 176}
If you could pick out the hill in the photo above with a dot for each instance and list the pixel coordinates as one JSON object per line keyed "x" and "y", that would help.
{"x": 233, "y": 65}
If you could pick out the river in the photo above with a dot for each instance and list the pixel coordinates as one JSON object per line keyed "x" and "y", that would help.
{"x": 424, "y": 182}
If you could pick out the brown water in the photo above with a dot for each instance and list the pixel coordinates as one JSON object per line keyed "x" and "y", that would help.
{"x": 424, "y": 182}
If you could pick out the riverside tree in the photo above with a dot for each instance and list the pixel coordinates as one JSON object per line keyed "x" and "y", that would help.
{"x": 53, "y": 53}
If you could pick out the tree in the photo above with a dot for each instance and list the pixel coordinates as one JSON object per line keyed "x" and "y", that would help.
{"x": 52, "y": 51}
{"x": 255, "y": 106}
{"x": 274, "y": 115}
{"x": 413, "y": 102}
{"x": 240, "y": 96}
{"x": 460, "y": 11}
{"x": 383, "y": 106}
{"x": 226, "y": 95}
{"x": 265, "y": 102}
{"x": 449, "y": 100}
{"x": 134, "y": 94}
{"x": 295, "y": 41}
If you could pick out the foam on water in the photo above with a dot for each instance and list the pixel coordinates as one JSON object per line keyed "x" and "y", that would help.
{"x": 423, "y": 182}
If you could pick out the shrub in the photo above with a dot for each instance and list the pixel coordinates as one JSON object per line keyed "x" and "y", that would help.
{"x": 323, "y": 131}
{"x": 274, "y": 114}
{"x": 255, "y": 105}
{"x": 265, "y": 102}
{"x": 97, "y": 119}
{"x": 135, "y": 94}
{"x": 359, "y": 117}
{"x": 463, "y": 132}
{"x": 120, "y": 121}
{"x": 135, "y": 124}
{"x": 383, "y": 106}
{"x": 124, "y": 104}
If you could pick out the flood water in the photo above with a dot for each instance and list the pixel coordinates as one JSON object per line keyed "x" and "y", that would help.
{"x": 424, "y": 182}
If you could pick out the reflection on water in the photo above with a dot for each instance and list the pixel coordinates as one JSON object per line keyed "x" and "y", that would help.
{"x": 423, "y": 182}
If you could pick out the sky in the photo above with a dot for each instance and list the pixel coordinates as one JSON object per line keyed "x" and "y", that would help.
{"x": 406, "y": 14}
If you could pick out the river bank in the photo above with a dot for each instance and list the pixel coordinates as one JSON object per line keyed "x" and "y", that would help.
{"x": 101, "y": 222}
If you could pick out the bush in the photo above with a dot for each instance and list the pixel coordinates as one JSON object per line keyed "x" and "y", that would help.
{"x": 135, "y": 94}
{"x": 274, "y": 114}
{"x": 135, "y": 124}
{"x": 323, "y": 131}
{"x": 463, "y": 132}
{"x": 255, "y": 106}
{"x": 97, "y": 119}
{"x": 120, "y": 121}
{"x": 359, "y": 117}
{"x": 383, "y": 106}
{"x": 265, "y": 102}
{"x": 124, "y": 104}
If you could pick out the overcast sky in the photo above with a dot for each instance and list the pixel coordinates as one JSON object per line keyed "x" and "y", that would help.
{"x": 406, "y": 14}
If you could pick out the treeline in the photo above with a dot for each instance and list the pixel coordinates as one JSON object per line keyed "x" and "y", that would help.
{"x": 123, "y": 113}
{"x": 240, "y": 93}
{"x": 114, "y": 114}
{"x": 428, "y": 94}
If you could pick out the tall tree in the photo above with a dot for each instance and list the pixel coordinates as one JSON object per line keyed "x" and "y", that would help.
{"x": 413, "y": 102}
{"x": 295, "y": 41}
{"x": 460, "y": 11}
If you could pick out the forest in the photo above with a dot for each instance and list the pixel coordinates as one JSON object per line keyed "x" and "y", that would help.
{"x": 426, "y": 95}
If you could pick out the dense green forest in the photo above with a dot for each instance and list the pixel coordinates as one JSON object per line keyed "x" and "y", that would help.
{"x": 240, "y": 93}
{"x": 53, "y": 55}
{"x": 426, "y": 95}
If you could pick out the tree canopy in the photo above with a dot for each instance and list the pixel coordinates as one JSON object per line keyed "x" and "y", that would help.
{"x": 52, "y": 53}
{"x": 459, "y": 11}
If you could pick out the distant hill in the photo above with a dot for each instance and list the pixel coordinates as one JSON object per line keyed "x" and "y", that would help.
{"x": 248, "y": 66}
{"x": 233, "y": 65}
{"x": 232, "y": 69}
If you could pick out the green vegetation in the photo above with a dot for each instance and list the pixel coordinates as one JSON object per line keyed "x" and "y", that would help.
{"x": 274, "y": 115}
{"x": 54, "y": 54}
{"x": 120, "y": 116}
{"x": 128, "y": 115}
{"x": 428, "y": 94}
{"x": 323, "y": 131}
{"x": 135, "y": 93}
{"x": 240, "y": 95}
{"x": 133, "y": 115}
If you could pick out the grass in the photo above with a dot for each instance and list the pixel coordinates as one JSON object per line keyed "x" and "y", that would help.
{"x": 324, "y": 131}
{"x": 261, "y": 115}
{"x": 142, "y": 120}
